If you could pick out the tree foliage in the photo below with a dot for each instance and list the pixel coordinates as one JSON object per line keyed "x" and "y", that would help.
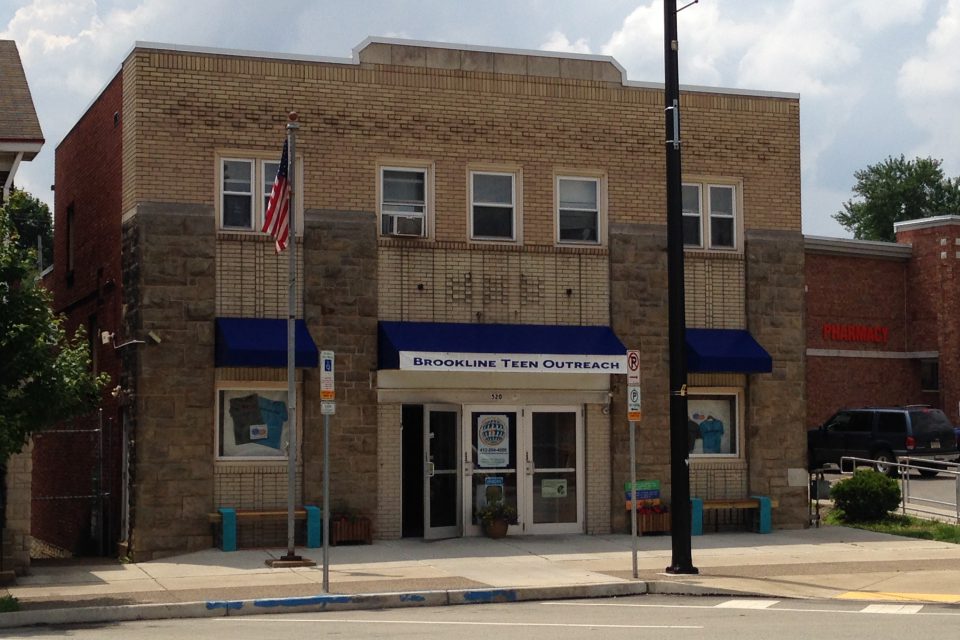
{"x": 45, "y": 376}
{"x": 895, "y": 190}
{"x": 31, "y": 218}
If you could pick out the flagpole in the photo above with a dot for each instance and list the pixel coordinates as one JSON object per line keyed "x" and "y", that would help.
{"x": 292, "y": 127}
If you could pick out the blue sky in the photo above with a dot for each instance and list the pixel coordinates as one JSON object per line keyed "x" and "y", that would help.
{"x": 875, "y": 78}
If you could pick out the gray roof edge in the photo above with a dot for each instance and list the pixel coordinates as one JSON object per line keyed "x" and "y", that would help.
{"x": 722, "y": 90}
{"x": 860, "y": 248}
{"x": 926, "y": 223}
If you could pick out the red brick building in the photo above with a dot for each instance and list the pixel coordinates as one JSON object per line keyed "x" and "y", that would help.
{"x": 883, "y": 320}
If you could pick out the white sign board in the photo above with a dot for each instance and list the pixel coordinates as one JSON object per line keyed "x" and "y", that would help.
{"x": 512, "y": 362}
{"x": 633, "y": 403}
{"x": 326, "y": 376}
{"x": 328, "y": 407}
{"x": 633, "y": 367}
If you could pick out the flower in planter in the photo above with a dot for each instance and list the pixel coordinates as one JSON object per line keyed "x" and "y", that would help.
{"x": 496, "y": 510}
{"x": 654, "y": 508}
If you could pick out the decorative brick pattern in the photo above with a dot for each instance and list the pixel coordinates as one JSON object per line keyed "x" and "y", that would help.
{"x": 492, "y": 284}
{"x": 252, "y": 279}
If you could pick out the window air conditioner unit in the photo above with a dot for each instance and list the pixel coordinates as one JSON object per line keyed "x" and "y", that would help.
{"x": 401, "y": 225}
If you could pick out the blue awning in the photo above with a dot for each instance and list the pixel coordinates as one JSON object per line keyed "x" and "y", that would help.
{"x": 725, "y": 351}
{"x": 449, "y": 346}
{"x": 262, "y": 342}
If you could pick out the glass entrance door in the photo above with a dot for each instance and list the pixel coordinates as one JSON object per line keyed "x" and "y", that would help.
{"x": 553, "y": 465}
{"x": 490, "y": 461}
{"x": 441, "y": 482}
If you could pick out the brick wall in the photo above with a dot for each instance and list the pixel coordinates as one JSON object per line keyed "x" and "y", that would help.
{"x": 88, "y": 184}
{"x": 16, "y": 542}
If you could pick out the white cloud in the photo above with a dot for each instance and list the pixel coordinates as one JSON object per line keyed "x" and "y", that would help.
{"x": 929, "y": 84}
{"x": 559, "y": 42}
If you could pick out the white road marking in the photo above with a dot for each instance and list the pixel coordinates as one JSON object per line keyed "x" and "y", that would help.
{"x": 747, "y": 604}
{"x": 892, "y": 608}
{"x": 462, "y": 624}
{"x": 790, "y": 609}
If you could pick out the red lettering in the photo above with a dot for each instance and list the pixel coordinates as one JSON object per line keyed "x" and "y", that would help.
{"x": 854, "y": 333}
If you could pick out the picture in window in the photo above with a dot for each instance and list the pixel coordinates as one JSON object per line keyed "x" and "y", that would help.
{"x": 252, "y": 423}
{"x": 712, "y": 425}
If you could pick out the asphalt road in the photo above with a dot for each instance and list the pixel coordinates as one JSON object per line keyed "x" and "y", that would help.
{"x": 649, "y": 617}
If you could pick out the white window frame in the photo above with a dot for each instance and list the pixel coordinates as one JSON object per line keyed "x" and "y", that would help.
{"x": 514, "y": 206}
{"x": 698, "y": 216}
{"x": 250, "y": 195}
{"x": 706, "y": 215}
{"x": 725, "y": 394}
{"x": 261, "y": 185}
{"x": 245, "y": 388}
{"x": 426, "y": 216}
{"x": 599, "y": 211}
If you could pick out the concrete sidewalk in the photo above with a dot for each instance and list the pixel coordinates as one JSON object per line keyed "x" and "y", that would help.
{"x": 829, "y": 562}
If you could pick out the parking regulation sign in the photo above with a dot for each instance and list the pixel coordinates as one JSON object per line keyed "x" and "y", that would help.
{"x": 633, "y": 403}
{"x": 633, "y": 367}
{"x": 327, "y": 391}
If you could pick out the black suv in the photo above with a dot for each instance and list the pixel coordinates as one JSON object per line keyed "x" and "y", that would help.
{"x": 884, "y": 435}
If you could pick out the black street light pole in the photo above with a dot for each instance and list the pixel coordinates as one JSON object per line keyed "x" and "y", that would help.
{"x": 679, "y": 462}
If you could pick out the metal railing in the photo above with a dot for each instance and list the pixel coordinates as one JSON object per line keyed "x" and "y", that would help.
{"x": 904, "y": 466}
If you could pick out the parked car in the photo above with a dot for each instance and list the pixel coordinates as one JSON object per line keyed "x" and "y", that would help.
{"x": 883, "y": 435}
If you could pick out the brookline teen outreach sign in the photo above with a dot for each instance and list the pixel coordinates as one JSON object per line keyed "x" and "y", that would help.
{"x": 506, "y": 362}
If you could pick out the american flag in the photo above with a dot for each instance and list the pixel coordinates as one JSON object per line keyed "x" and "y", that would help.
{"x": 276, "y": 221}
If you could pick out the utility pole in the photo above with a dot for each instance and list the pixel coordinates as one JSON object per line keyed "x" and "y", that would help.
{"x": 682, "y": 561}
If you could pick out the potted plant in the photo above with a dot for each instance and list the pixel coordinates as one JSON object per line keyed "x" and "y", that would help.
{"x": 495, "y": 516}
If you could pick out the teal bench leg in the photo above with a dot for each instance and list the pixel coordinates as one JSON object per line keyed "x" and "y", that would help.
{"x": 314, "y": 526}
{"x": 696, "y": 517}
{"x": 765, "y": 514}
{"x": 228, "y": 531}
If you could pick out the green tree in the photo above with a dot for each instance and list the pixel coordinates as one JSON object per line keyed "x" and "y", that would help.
{"x": 45, "y": 376}
{"x": 895, "y": 190}
{"x": 31, "y": 218}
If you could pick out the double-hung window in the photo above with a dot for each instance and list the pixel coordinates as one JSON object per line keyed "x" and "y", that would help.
{"x": 245, "y": 186}
{"x": 493, "y": 206}
{"x": 403, "y": 201}
{"x": 578, "y": 210}
{"x": 237, "y": 210}
{"x": 710, "y": 216}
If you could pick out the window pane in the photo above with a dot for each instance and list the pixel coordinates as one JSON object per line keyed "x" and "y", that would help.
{"x": 252, "y": 423}
{"x": 578, "y": 194}
{"x": 236, "y": 176}
{"x": 237, "y": 212}
{"x": 492, "y": 189}
{"x": 712, "y": 425}
{"x": 578, "y": 226}
{"x": 403, "y": 186}
{"x": 493, "y": 222}
{"x": 721, "y": 232}
{"x": 721, "y": 201}
{"x": 691, "y": 231}
{"x": 691, "y": 198}
{"x": 892, "y": 423}
{"x": 269, "y": 176}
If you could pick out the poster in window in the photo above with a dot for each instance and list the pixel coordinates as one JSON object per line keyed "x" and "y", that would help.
{"x": 712, "y": 425}
{"x": 253, "y": 423}
{"x": 493, "y": 441}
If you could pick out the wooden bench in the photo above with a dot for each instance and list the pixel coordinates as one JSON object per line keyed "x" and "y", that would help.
{"x": 763, "y": 522}
{"x": 228, "y": 517}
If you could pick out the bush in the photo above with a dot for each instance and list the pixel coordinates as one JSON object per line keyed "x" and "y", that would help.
{"x": 868, "y": 496}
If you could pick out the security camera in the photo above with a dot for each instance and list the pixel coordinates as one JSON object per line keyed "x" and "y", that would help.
{"x": 154, "y": 338}
{"x": 106, "y": 337}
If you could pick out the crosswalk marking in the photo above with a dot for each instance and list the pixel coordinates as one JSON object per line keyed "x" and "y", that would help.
{"x": 747, "y": 604}
{"x": 892, "y": 608}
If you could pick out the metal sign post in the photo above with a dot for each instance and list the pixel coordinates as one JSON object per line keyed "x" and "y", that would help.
{"x": 633, "y": 415}
{"x": 327, "y": 407}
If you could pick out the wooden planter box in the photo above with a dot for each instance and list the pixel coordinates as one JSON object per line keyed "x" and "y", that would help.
{"x": 356, "y": 530}
{"x": 653, "y": 523}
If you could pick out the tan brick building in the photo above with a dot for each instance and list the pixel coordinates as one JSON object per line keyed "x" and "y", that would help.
{"x": 482, "y": 232}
